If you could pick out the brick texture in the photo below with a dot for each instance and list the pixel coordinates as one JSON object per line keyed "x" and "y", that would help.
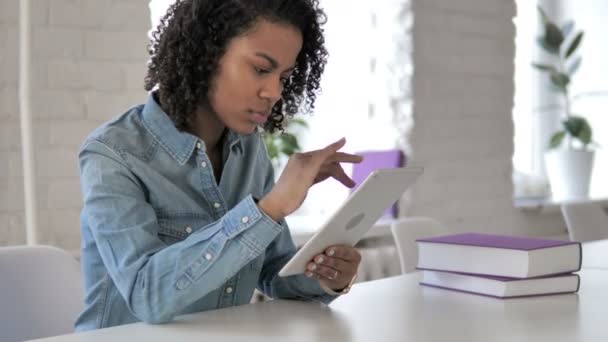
{"x": 88, "y": 64}
{"x": 463, "y": 128}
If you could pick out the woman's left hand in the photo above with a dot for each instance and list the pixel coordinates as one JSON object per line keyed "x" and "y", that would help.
{"x": 336, "y": 267}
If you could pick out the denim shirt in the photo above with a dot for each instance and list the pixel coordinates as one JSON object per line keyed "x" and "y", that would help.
{"x": 161, "y": 238}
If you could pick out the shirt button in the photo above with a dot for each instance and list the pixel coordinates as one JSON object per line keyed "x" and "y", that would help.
{"x": 188, "y": 230}
{"x": 208, "y": 256}
{"x": 245, "y": 219}
{"x": 199, "y": 145}
{"x": 204, "y": 164}
{"x": 216, "y": 205}
{"x": 229, "y": 289}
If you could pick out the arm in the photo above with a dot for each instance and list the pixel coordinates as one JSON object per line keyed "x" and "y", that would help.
{"x": 278, "y": 254}
{"x": 158, "y": 281}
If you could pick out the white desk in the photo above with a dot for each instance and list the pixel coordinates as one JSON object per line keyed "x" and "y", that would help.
{"x": 392, "y": 309}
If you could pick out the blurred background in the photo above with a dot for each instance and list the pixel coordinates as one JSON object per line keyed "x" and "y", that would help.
{"x": 450, "y": 84}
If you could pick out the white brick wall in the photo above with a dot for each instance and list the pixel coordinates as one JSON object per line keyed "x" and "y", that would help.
{"x": 463, "y": 133}
{"x": 89, "y": 61}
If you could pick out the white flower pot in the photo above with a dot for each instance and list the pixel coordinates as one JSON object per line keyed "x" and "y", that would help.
{"x": 569, "y": 173}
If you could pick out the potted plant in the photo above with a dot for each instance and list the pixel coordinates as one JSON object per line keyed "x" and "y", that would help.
{"x": 282, "y": 144}
{"x": 569, "y": 159}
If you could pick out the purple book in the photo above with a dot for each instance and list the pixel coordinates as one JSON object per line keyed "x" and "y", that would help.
{"x": 501, "y": 287}
{"x": 374, "y": 160}
{"x": 499, "y": 255}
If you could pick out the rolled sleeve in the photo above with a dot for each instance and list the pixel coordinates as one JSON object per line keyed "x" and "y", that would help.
{"x": 278, "y": 253}
{"x": 158, "y": 281}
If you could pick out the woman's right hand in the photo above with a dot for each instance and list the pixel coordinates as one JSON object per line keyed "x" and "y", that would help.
{"x": 301, "y": 172}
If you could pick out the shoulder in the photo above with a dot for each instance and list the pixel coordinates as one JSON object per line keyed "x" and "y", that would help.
{"x": 124, "y": 134}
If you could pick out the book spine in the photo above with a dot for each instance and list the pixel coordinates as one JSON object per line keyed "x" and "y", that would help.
{"x": 514, "y": 277}
{"x": 498, "y": 297}
{"x": 580, "y": 256}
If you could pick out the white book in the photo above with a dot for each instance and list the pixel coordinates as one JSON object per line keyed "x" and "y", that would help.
{"x": 502, "y": 287}
{"x": 498, "y": 255}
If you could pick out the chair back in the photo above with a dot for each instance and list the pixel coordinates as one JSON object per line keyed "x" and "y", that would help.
{"x": 406, "y": 231}
{"x": 586, "y": 221}
{"x": 41, "y": 292}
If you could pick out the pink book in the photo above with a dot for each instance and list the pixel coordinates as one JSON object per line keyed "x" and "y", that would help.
{"x": 499, "y": 255}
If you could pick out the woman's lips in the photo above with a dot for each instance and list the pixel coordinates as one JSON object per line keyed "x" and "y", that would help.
{"x": 259, "y": 118}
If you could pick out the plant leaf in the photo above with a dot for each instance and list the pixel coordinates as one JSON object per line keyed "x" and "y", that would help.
{"x": 273, "y": 152}
{"x": 573, "y": 68}
{"x": 549, "y": 49}
{"x": 289, "y": 144}
{"x": 557, "y": 139}
{"x": 567, "y": 28}
{"x": 544, "y": 67}
{"x": 542, "y": 13}
{"x": 299, "y": 122}
{"x": 575, "y": 43}
{"x": 585, "y": 133}
{"x": 574, "y": 125}
{"x": 553, "y": 36}
{"x": 560, "y": 80}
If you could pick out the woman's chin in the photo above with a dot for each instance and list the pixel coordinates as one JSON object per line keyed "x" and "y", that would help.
{"x": 246, "y": 129}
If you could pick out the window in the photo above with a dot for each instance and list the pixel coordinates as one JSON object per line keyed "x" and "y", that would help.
{"x": 533, "y": 116}
{"x": 353, "y": 102}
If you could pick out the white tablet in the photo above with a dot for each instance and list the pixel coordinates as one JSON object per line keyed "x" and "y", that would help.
{"x": 356, "y": 216}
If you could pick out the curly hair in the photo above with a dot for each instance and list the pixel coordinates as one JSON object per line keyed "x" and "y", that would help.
{"x": 187, "y": 45}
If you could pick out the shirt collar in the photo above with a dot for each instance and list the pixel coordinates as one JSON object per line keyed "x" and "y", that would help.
{"x": 234, "y": 141}
{"x": 180, "y": 145}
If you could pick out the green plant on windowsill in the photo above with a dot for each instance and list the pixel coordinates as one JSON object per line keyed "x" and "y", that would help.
{"x": 281, "y": 145}
{"x": 562, "y": 43}
{"x": 569, "y": 169}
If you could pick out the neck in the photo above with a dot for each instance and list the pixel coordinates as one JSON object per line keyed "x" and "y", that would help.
{"x": 207, "y": 127}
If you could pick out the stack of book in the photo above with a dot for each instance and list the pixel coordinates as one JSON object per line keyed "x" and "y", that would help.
{"x": 500, "y": 266}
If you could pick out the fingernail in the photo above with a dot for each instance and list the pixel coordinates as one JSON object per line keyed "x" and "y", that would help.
{"x": 331, "y": 252}
{"x": 312, "y": 267}
{"x": 308, "y": 274}
{"x": 319, "y": 260}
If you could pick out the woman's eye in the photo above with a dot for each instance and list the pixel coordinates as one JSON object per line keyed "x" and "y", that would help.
{"x": 260, "y": 71}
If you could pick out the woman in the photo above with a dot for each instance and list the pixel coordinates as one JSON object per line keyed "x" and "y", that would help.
{"x": 181, "y": 213}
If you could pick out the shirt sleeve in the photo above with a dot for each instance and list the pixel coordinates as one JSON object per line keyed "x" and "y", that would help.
{"x": 158, "y": 281}
{"x": 278, "y": 253}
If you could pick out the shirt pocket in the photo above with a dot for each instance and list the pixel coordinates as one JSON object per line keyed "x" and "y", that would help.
{"x": 177, "y": 227}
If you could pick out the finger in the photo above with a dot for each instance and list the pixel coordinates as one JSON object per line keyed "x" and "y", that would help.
{"x": 338, "y": 173}
{"x": 335, "y": 263}
{"x": 324, "y": 271}
{"x": 341, "y": 157}
{"x": 333, "y": 148}
{"x": 346, "y": 253}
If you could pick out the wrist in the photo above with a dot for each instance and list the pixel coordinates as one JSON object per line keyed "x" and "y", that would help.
{"x": 268, "y": 206}
{"x": 345, "y": 290}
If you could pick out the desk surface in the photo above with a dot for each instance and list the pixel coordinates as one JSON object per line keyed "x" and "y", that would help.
{"x": 392, "y": 309}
